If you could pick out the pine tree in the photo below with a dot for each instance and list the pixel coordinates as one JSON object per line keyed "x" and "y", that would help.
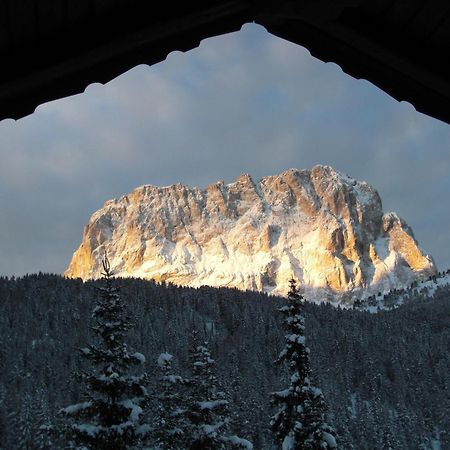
{"x": 23, "y": 422}
{"x": 169, "y": 424}
{"x": 207, "y": 407}
{"x": 299, "y": 422}
{"x": 43, "y": 439}
{"x": 109, "y": 417}
{"x": 388, "y": 441}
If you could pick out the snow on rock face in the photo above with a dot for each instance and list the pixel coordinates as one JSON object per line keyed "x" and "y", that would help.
{"x": 320, "y": 226}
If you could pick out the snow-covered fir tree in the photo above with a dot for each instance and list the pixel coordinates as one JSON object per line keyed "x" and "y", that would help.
{"x": 206, "y": 408}
{"x": 22, "y": 420}
{"x": 388, "y": 441}
{"x": 299, "y": 423}
{"x": 169, "y": 423}
{"x": 43, "y": 439}
{"x": 206, "y": 405}
{"x": 109, "y": 417}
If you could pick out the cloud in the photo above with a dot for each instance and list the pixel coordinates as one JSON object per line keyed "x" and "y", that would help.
{"x": 243, "y": 102}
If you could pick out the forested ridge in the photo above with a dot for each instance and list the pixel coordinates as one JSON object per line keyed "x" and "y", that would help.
{"x": 385, "y": 376}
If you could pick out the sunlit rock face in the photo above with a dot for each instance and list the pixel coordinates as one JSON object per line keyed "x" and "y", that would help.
{"x": 320, "y": 226}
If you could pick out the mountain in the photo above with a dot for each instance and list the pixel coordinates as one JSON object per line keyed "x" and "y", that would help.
{"x": 320, "y": 226}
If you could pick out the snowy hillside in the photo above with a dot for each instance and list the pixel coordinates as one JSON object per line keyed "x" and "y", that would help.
{"x": 424, "y": 289}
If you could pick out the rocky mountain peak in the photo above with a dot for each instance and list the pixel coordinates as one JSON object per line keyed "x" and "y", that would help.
{"x": 325, "y": 228}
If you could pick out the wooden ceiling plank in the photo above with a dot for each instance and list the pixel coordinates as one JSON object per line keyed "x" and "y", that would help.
{"x": 102, "y": 7}
{"x": 425, "y": 23}
{"x": 402, "y": 12}
{"x": 4, "y": 27}
{"x": 78, "y": 11}
{"x": 50, "y": 17}
{"x": 440, "y": 38}
{"x": 23, "y": 23}
{"x": 375, "y": 9}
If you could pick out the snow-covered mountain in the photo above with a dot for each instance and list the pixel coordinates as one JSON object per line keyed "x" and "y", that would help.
{"x": 320, "y": 226}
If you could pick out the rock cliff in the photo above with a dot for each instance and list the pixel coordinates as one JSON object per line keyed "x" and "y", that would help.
{"x": 320, "y": 226}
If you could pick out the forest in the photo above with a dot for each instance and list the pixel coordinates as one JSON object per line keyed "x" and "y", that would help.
{"x": 384, "y": 376}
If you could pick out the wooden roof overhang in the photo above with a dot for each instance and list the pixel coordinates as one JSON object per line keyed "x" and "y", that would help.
{"x": 55, "y": 48}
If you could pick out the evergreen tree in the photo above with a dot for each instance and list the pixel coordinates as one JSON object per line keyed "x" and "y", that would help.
{"x": 169, "y": 424}
{"x": 207, "y": 406}
{"x": 388, "y": 441}
{"x": 24, "y": 423}
{"x": 43, "y": 439}
{"x": 109, "y": 417}
{"x": 299, "y": 422}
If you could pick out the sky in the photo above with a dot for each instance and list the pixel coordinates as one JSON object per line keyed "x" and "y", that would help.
{"x": 245, "y": 102}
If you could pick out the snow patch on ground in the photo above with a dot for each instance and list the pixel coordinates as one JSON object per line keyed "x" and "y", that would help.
{"x": 394, "y": 298}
